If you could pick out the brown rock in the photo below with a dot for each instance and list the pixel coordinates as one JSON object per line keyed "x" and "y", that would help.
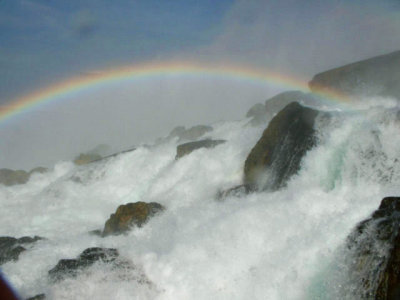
{"x": 129, "y": 215}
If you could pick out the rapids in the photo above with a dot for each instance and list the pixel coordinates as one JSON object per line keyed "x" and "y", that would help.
{"x": 266, "y": 245}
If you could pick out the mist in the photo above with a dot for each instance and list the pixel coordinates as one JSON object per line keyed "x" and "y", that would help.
{"x": 296, "y": 38}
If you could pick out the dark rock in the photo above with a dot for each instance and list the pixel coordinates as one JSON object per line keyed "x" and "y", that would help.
{"x": 71, "y": 267}
{"x": 11, "y": 248}
{"x": 374, "y": 259}
{"x": 129, "y": 215}
{"x": 185, "y": 149}
{"x": 279, "y": 152}
{"x": 379, "y": 75}
{"x": 37, "y": 297}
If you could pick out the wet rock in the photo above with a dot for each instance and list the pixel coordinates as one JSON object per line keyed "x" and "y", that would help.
{"x": 379, "y": 75}
{"x": 283, "y": 144}
{"x": 11, "y": 248}
{"x": 185, "y": 149}
{"x": 374, "y": 259}
{"x": 71, "y": 267}
{"x": 37, "y": 297}
{"x": 129, "y": 215}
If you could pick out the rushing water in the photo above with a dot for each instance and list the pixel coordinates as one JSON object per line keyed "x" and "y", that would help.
{"x": 280, "y": 245}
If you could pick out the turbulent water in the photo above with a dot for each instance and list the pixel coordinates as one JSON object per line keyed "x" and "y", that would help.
{"x": 286, "y": 244}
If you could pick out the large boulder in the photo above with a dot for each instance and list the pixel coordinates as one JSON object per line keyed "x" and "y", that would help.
{"x": 11, "y": 248}
{"x": 71, "y": 267}
{"x": 374, "y": 253}
{"x": 187, "y": 148}
{"x": 278, "y": 153}
{"x": 379, "y": 75}
{"x": 130, "y": 215}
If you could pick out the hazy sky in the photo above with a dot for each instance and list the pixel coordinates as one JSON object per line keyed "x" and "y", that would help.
{"x": 45, "y": 41}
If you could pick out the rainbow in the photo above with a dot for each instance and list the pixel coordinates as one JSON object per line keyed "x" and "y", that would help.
{"x": 151, "y": 70}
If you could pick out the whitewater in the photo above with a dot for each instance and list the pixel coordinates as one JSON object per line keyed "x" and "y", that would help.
{"x": 286, "y": 244}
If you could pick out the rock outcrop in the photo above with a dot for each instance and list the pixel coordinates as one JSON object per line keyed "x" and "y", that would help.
{"x": 11, "y": 248}
{"x": 374, "y": 248}
{"x": 187, "y": 148}
{"x": 129, "y": 215}
{"x": 278, "y": 153}
{"x": 70, "y": 267}
{"x": 379, "y": 75}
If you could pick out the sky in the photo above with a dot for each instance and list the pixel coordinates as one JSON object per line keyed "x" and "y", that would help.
{"x": 43, "y": 42}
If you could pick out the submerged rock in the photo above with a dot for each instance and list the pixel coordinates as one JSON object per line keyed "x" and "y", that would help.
{"x": 187, "y": 148}
{"x": 11, "y": 248}
{"x": 71, "y": 267}
{"x": 379, "y": 75}
{"x": 374, "y": 259}
{"x": 283, "y": 144}
{"x": 129, "y": 215}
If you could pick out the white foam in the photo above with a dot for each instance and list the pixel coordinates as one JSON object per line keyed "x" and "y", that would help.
{"x": 259, "y": 246}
